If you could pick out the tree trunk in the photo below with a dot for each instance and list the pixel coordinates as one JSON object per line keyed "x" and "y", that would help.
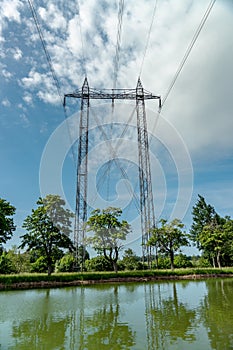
{"x": 213, "y": 262}
{"x": 50, "y": 270}
{"x": 172, "y": 259}
{"x": 218, "y": 260}
{"x": 114, "y": 263}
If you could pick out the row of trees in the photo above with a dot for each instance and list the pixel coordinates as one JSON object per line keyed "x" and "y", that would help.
{"x": 47, "y": 242}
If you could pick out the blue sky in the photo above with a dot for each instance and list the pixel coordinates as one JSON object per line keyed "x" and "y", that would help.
{"x": 197, "y": 115}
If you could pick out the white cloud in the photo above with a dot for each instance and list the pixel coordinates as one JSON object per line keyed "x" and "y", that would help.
{"x": 52, "y": 16}
{"x": 11, "y": 9}
{"x": 33, "y": 80}
{"x": 17, "y": 53}
{"x": 6, "y": 74}
{"x": 6, "y": 102}
{"x": 194, "y": 105}
{"x": 28, "y": 99}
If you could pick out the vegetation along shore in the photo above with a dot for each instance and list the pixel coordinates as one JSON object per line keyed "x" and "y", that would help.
{"x": 42, "y": 280}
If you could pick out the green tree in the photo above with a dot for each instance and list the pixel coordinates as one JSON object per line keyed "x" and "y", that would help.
{"x": 6, "y": 265}
{"x": 203, "y": 215}
{"x": 216, "y": 238}
{"x": 109, "y": 232}
{"x": 131, "y": 261}
{"x": 169, "y": 238}
{"x": 212, "y": 234}
{"x": 7, "y": 226}
{"x": 47, "y": 229}
{"x": 182, "y": 261}
{"x": 20, "y": 260}
{"x": 66, "y": 263}
{"x": 61, "y": 217}
{"x": 227, "y": 256}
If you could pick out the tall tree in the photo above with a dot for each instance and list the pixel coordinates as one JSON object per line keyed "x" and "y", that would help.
{"x": 7, "y": 226}
{"x": 55, "y": 209}
{"x": 203, "y": 215}
{"x": 227, "y": 256}
{"x": 169, "y": 238}
{"x": 213, "y": 239}
{"x": 47, "y": 229}
{"x": 109, "y": 232}
{"x": 211, "y": 233}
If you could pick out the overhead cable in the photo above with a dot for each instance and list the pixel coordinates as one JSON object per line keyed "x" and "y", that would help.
{"x": 148, "y": 37}
{"x": 189, "y": 49}
{"x": 51, "y": 68}
{"x": 118, "y": 43}
{"x": 82, "y": 43}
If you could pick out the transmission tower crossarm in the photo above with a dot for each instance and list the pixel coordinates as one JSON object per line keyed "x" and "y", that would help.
{"x": 113, "y": 94}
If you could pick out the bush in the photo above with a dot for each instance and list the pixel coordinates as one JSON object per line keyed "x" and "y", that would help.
{"x": 66, "y": 264}
{"x": 163, "y": 263}
{"x": 98, "y": 263}
{"x": 6, "y": 266}
{"x": 40, "y": 265}
{"x": 131, "y": 261}
{"x": 203, "y": 262}
{"x": 182, "y": 261}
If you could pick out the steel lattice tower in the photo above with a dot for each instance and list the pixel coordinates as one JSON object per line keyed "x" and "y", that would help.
{"x": 146, "y": 194}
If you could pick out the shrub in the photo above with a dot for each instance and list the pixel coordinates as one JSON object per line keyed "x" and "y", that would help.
{"x": 6, "y": 266}
{"x": 131, "y": 261}
{"x": 98, "y": 263}
{"x": 182, "y": 261}
{"x": 65, "y": 264}
{"x": 203, "y": 262}
{"x": 40, "y": 265}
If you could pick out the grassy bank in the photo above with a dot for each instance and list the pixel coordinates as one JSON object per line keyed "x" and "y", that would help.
{"x": 39, "y": 280}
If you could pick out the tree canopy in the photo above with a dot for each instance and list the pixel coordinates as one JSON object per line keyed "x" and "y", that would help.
{"x": 168, "y": 238}
{"x": 212, "y": 233}
{"x": 47, "y": 229}
{"x": 203, "y": 215}
{"x": 7, "y": 226}
{"x": 109, "y": 232}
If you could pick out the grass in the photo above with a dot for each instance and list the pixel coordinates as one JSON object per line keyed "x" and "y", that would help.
{"x": 7, "y": 281}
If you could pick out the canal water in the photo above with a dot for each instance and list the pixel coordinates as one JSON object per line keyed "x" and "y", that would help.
{"x": 161, "y": 315}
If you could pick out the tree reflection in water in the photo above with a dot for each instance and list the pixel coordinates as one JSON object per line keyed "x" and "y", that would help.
{"x": 35, "y": 333}
{"x": 105, "y": 331}
{"x": 216, "y": 313}
{"x": 115, "y": 317}
{"x": 75, "y": 329}
{"x": 167, "y": 319}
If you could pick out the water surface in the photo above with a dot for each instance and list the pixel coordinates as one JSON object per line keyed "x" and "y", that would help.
{"x": 161, "y": 315}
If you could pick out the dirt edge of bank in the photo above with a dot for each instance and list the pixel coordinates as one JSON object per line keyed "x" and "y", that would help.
{"x": 57, "y": 284}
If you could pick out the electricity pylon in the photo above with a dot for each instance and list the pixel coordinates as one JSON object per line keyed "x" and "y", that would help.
{"x": 146, "y": 195}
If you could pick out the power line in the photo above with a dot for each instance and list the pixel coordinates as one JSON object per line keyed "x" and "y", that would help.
{"x": 186, "y": 55}
{"x": 106, "y": 173}
{"x": 148, "y": 37}
{"x": 45, "y": 49}
{"x": 82, "y": 43}
{"x": 189, "y": 49}
{"x": 117, "y": 162}
{"x": 118, "y": 43}
{"x": 51, "y": 68}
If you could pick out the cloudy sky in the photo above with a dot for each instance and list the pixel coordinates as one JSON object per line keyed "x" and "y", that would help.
{"x": 191, "y": 140}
